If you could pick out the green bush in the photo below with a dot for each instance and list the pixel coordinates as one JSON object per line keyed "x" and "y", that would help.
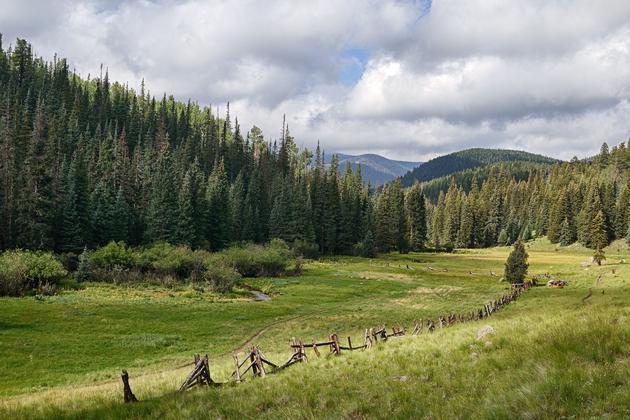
{"x": 13, "y": 274}
{"x": 256, "y": 260}
{"x": 84, "y": 268}
{"x": 21, "y": 271}
{"x": 166, "y": 259}
{"x": 113, "y": 255}
{"x": 220, "y": 277}
{"x": 305, "y": 249}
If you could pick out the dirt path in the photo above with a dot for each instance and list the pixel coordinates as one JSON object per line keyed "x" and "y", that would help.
{"x": 265, "y": 329}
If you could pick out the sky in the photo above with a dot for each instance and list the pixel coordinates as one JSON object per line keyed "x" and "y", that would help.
{"x": 406, "y": 79}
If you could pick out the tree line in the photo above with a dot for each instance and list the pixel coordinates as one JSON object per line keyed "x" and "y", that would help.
{"x": 578, "y": 201}
{"x": 84, "y": 161}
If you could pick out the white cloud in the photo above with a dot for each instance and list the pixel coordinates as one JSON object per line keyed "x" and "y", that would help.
{"x": 550, "y": 76}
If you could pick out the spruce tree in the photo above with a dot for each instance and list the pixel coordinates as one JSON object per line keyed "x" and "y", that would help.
{"x": 120, "y": 222}
{"x": 162, "y": 212}
{"x": 219, "y": 217}
{"x": 70, "y": 232}
{"x": 416, "y": 216}
{"x": 599, "y": 256}
{"x": 567, "y": 233}
{"x": 503, "y": 237}
{"x": 598, "y": 232}
{"x": 186, "y": 223}
{"x": 516, "y": 265}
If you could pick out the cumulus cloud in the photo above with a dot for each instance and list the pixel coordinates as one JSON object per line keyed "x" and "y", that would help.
{"x": 406, "y": 78}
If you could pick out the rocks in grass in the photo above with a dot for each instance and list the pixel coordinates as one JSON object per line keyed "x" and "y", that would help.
{"x": 484, "y": 331}
{"x": 556, "y": 283}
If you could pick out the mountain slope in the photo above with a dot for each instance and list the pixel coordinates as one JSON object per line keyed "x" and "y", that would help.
{"x": 467, "y": 159}
{"x": 376, "y": 169}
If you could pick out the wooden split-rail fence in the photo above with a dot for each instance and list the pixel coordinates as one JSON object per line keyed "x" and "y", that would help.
{"x": 257, "y": 364}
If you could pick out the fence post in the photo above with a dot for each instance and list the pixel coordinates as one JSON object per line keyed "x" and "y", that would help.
{"x": 127, "y": 393}
{"x": 238, "y": 371}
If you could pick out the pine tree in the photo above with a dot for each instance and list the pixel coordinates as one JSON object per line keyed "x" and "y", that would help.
{"x": 163, "y": 211}
{"x": 416, "y": 215}
{"x": 120, "y": 222}
{"x": 598, "y": 231}
{"x": 186, "y": 223}
{"x": 219, "y": 217}
{"x": 599, "y": 256}
{"x": 503, "y": 237}
{"x": 71, "y": 239}
{"x": 437, "y": 222}
{"x": 102, "y": 213}
{"x": 567, "y": 233}
{"x": 516, "y": 264}
{"x": 332, "y": 208}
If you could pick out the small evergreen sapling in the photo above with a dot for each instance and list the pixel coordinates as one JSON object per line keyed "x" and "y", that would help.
{"x": 516, "y": 264}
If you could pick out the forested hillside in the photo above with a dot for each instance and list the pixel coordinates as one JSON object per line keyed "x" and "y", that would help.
{"x": 572, "y": 201}
{"x": 86, "y": 162}
{"x": 376, "y": 169}
{"x": 468, "y": 159}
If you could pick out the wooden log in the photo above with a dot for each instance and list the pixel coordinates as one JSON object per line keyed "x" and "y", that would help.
{"x": 264, "y": 360}
{"x": 259, "y": 363}
{"x": 335, "y": 346}
{"x": 128, "y": 395}
{"x": 315, "y": 349}
{"x": 196, "y": 361}
{"x": 252, "y": 358}
{"x": 303, "y": 353}
{"x": 325, "y": 343}
{"x": 237, "y": 370}
{"x": 367, "y": 339}
{"x": 252, "y": 366}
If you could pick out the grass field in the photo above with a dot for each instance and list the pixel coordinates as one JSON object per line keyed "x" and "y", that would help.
{"x": 553, "y": 354}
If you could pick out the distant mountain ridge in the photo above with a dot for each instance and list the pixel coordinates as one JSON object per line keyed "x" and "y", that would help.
{"x": 468, "y": 159}
{"x": 376, "y": 169}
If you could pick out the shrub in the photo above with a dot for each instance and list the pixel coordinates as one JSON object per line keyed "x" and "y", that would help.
{"x": 166, "y": 259}
{"x": 114, "y": 254}
{"x": 256, "y": 260}
{"x": 46, "y": 289}
{"x": 69, "y": 260}
{"x": 365, "y": 248}
{"x": 84, "y": 271}
{"x": 220, "y": 277}
{"x": 13, "y": 274}
{"x": 21, "y": 271}
{"x": 305, "y": 249}
{"x": 299, "y": 267}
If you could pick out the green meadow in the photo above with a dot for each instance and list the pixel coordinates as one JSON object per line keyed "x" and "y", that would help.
{"x": 554, "y": 353}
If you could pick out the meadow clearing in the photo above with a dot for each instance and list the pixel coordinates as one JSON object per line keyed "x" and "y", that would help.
{"x": 554, "y": 353}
